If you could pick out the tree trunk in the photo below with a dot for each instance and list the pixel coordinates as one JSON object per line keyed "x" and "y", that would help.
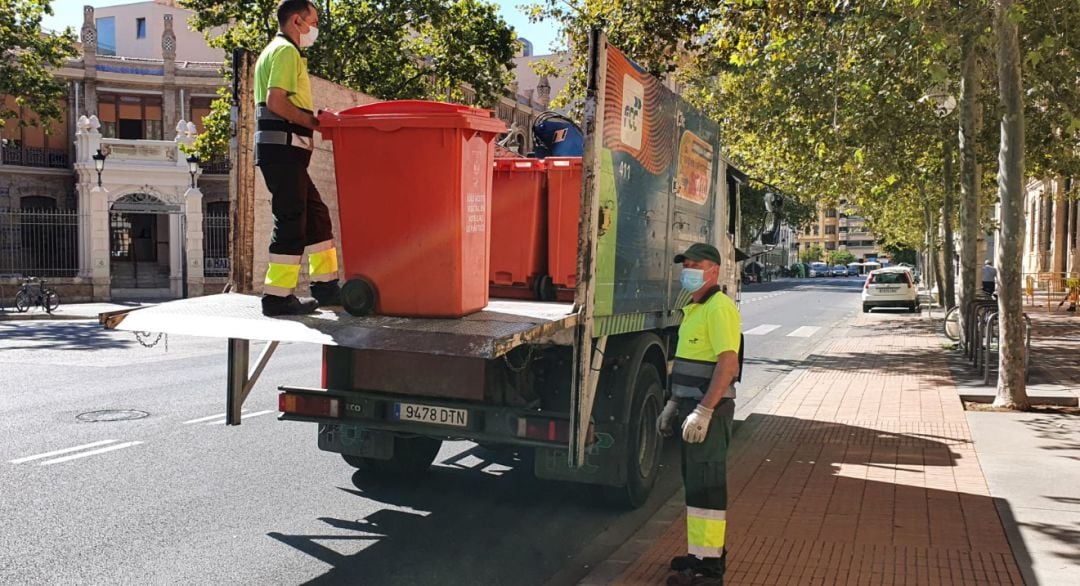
{"x": 969, "y": 178}
{"x": 948, "y": 245}
{"x": 1011, "y": 388}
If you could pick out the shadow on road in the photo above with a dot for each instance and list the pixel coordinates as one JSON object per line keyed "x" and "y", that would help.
{"x": 79, "y": 336}
{"x": 480, "y": 517}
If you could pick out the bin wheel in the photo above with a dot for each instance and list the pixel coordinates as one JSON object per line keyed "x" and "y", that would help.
{"x": 358, "y": 297}
{"x": 544, "y": 288}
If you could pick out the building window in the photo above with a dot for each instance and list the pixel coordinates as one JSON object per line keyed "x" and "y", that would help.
{"x": 37, "y": 202}
{"x": 130, "y": 117}
{"x": 830, "y": 246}
{"x": 140, "y": 28}
{"x": 830, "y": 229}
{"x": 200, "y": 108}
{"x": 106, "y": 36}
{"x": 817, "y": 230}
{"x": 830, "y": 213}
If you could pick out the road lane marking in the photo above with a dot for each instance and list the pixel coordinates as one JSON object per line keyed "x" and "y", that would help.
{"x": 63, "y": 451}
{"x": 90, "y": 453}
{"x": 202, "y": 419}
{"x": 245, "y": 416}
{"x": 804, "y": 332}
{"x": 761, "y": 330}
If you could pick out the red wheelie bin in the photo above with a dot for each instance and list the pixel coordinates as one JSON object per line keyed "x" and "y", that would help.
{"x": 414, "y": 199}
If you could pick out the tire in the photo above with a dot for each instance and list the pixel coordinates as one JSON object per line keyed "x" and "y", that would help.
{"x": 412, "y": 457}
{"x": 22, "y": 302}
{"x": 865, "y": 308}
{"x": 914, "y": 308}
{"x": 951, "y": 325}
{"x": 645, "y": 446}
{"x": 359, "y": 297}
{"x": 52, "y": 300}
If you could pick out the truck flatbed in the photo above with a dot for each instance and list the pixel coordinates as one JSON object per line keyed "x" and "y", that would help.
{"x": 503, "y": 325}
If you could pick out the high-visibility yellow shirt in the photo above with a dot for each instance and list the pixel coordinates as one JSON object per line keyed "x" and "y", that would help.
{"x": 282, "y": 66}
{"x": 709, "y": 329}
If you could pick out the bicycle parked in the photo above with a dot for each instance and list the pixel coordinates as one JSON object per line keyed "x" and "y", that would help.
{"x": 43, "y": 297}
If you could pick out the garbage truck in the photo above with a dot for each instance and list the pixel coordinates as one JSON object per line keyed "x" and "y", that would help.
{"x": 576, "y": 381}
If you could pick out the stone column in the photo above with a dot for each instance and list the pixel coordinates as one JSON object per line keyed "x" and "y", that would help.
{"x": 89, "y": 42}
{"x": 169, "y": 105}
{"x": 1061, "y": 223}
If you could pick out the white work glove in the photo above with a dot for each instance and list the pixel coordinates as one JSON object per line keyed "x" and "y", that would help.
{"x": 667, "y": 417}
{"x": 696, "y": 426}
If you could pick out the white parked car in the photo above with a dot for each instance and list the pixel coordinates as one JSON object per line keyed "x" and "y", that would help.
{"x": 891, "y": 287}
{"x": 819, "y": 269}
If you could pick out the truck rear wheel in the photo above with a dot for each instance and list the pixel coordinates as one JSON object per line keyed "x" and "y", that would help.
{"x": 412, "y": 457}
{"x": 644, "y": 444}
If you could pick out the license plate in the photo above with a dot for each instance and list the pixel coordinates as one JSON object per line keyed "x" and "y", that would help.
{"x": 433, "y": 415}
{"x": 888, "y": 289}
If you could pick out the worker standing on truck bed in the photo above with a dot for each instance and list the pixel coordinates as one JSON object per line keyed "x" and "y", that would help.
{"x": 285, "y": 122}
{"x": 703, "y": 398}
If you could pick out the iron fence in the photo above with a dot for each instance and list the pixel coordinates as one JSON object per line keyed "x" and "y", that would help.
{"x": 42, "y": 243}
{"x": 216, "y": 245}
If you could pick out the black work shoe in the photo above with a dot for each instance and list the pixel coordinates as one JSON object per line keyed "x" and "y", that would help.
{"x": 327, "y": 294}
{"x": 685, "y": 562}
{"x": 274, "y": 305}
{"x": 694, "y": 578}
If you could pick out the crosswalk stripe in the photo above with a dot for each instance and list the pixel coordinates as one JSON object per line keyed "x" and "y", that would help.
{"x": 90, "y": 453}
{"x": 63, "y": 451}
{"x": 804, "y": 332}
{"x": 761, "y": 330}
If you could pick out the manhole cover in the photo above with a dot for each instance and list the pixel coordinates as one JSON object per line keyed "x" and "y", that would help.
{"x": 111, "y": 415}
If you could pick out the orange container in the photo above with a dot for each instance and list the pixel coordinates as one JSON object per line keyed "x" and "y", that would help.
{"x": 518, "y": 239}
{"x": 564, "y": 211}
{"x": 414, "y": 199}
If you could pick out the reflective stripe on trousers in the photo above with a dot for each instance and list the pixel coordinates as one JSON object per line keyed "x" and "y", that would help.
{"x": 705, "y": 531}
{"x": 322, "y": 262}
{"x": 282, "y": 275}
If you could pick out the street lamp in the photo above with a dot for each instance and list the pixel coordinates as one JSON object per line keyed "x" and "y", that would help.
{"x": 99, "y": 165}
{"x": 193, "y": 168}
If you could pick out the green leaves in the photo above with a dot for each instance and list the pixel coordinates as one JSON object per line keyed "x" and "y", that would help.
{"x": 28, "y": 59}
{"x": 391, "y": 49}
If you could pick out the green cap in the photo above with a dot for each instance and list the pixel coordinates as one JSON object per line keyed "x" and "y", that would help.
{"x": 699, "y": 251}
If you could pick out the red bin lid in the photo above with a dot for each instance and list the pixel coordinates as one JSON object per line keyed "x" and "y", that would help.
{"x": 395, "y": 114}
{"x": 518, "y": 164}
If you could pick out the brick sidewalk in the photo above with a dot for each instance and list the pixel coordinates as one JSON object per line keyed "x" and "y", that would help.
{"x": 862, "y": 472}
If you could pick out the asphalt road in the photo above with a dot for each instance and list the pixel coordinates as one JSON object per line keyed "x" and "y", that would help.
{"x": 161, "y": 492}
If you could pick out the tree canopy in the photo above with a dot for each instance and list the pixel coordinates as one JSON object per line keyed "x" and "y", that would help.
{"x": 391, "y": 49}
{"x": 27, "y": 60}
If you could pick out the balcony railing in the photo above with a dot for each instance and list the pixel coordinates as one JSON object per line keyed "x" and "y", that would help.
{"x": 35, "y": 157}
{"x": 218, "y": 166}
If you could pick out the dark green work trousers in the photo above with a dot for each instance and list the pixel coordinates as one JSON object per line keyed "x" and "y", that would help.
{"x": 704, "y": 469}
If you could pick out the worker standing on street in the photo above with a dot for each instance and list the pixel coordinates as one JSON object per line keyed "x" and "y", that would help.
{"x": 707, "y": 363}
{"x": 285, "y": 124}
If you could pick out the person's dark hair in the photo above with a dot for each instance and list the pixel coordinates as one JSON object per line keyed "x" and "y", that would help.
{"x": 287, "y": 8}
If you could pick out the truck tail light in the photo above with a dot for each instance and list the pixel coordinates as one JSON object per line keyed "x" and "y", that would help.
{"x": 551, "y": 430}
{"x": 295, "y": 404}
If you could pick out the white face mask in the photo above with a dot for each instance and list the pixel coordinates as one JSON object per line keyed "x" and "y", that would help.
{"x": 308, "y": 39}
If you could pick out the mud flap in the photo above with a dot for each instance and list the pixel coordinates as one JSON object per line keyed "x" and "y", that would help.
{"x": 354, "y": 440}
{"x": 605, "y": 460}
